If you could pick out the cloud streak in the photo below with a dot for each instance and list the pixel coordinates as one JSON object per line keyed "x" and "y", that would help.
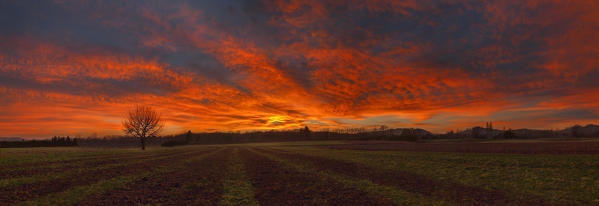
{"x": 75, "y": 67}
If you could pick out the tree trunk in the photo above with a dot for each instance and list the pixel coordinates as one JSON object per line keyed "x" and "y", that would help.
{"x": 143, "y": 143}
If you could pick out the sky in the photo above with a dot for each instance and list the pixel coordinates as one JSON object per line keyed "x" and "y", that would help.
{"x": 75, "y": 67}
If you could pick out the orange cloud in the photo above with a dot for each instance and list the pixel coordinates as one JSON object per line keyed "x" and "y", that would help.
{"x": 325, "y": 64}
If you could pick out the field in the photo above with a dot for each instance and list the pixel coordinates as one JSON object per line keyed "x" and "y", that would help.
{"x": 306, "y": 173}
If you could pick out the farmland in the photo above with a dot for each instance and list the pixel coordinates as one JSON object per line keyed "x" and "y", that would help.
{"x": 306, "y": 173}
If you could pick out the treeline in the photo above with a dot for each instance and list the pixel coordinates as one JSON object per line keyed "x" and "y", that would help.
{"x": 121, "y": 141}
{"x": 54, "y": 142}
{"x": 404, "y": 134}
{"x": 305, "y": 134}
{"x": 382, "y": 133}
{"x": 489, "y": 132}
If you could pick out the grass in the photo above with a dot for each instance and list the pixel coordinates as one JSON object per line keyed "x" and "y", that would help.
{"x": 15, "y": 156}
{"x": 298, "y": 143}
{"x": 78, "y": 193}
{"x": 552, "y": 139}
{"x": 237, "y": 188}
{"x": 396, "y": 195}
{"x": 569, "y": 178}
{"x": 555, "y": 177}
{"x": 12, "y": 182}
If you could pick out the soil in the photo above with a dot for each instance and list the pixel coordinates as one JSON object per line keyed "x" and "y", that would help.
{"x": 79, "y": 163}
{"x": 198, "y": 183}
{"x": 277, "y": 185}
{"x": 18, "y": 193}
{"x": 447, "y": 191}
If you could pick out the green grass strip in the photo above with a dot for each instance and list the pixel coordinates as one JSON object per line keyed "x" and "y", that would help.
{"x": 397, "y": 196}
{"x": 79, "y": 193}
{"x": 237, "y": 189}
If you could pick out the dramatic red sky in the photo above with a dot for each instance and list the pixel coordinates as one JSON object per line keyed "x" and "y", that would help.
{"x": 74, "y": 67}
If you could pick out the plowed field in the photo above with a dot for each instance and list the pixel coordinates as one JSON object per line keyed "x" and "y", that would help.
{"x": 300, "y": 174}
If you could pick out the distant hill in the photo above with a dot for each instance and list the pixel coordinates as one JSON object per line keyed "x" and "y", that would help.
{"x": 10, "y": 139}
{"x": 590, "y": 130}
{"x": 580, "y": 131}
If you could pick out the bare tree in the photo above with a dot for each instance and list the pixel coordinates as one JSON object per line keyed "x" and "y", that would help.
{"x": 143, "y": 122}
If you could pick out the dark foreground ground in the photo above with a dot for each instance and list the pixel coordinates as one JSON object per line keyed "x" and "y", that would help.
{"x": 305, "y": 173}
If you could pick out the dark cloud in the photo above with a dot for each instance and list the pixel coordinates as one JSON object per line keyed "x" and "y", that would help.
{"x": 264, "y": 64}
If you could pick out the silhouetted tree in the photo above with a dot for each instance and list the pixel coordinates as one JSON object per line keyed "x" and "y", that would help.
{"x": 143, "y": 122}
{"x": 306, "y": 132}
{"x": 188, "y": 136}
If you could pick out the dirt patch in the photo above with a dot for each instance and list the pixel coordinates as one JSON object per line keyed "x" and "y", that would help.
{"x": 447, "y": 191}
{"x": 277, "y": 185}
{"x": 565, "y": 147}
{"x": 196, "y": 183}
{"x": 30, "y": 191}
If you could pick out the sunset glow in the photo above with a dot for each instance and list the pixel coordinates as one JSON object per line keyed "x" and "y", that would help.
{"x": 75, "y": 67}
